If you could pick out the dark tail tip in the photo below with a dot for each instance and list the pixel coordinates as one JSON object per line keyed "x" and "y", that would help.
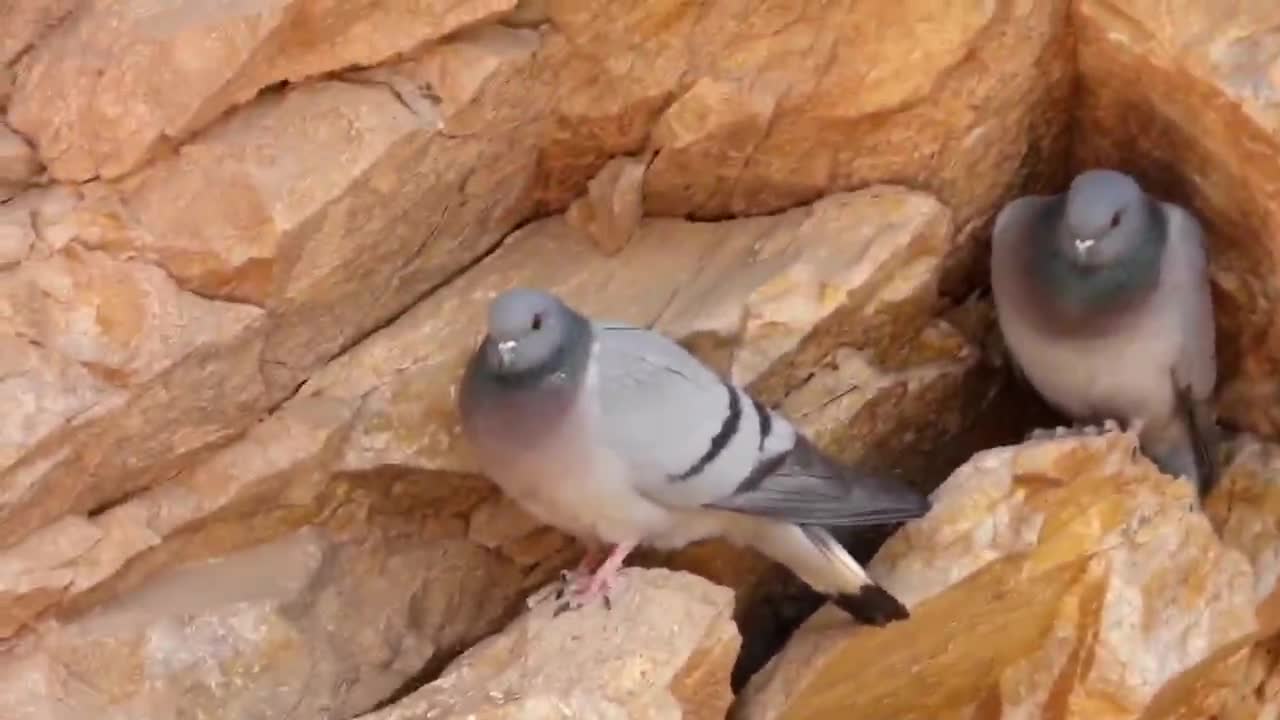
{"x": 925, "y": 505}
{"x": 872, "y": 605}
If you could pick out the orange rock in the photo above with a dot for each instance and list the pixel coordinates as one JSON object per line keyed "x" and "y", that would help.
{"x": 118, "y": 80}
{"x": 387, "y": 404}
{"x": 18, "y": 164}
{"x": 664, "y": 650}
{"x": 611, "y": 209}
{"x": 320, "y": 200}
{"x": 1057, "y": 578}
{"x": 286, "y": 626}
{"x": 757, "y": 109}
{"x": 26, "y": 22}
{"x": 342, "y": 201}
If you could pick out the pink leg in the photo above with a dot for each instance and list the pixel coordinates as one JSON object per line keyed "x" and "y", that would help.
{"x": 602, "y": 581}
{"x": 607, "y": 573}
{"x": 575, "y": 580}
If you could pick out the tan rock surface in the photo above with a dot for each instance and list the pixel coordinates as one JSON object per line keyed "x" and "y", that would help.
{"x": 762, "y": 114}
{"x": 1189, "y": 101}
{"x": 6, "y": 86}
{"x": 611, "y": 209}
{"x": 760, "y": 117}
{"x": 664, "y": 651}
{"x": 1095, "y": 591}
{"x": 757, "y": 297}
{"x": 333, "y": 203}
{"x": 1244, "y": 509}
{"x": 19, "y": 166}
{"x": 28, "y": 21}
{"x": 98, "y": 104}
{"x": 310, "y": 625}
{"x": 864, "y": 259}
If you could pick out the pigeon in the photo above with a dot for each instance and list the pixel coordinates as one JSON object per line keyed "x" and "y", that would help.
{"x": 1102, "y": 296}
{"x": 618, "y": 436}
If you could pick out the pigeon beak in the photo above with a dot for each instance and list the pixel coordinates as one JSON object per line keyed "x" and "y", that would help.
{"x": 506, "y": 352}
{"x": 1084, "y": 249}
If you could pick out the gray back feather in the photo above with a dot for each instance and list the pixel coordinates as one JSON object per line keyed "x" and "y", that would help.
{"x": 701, "y": 442}
{"x": 662, "y": 409}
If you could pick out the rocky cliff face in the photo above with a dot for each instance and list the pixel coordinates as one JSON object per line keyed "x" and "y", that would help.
{"x": 244, "y": 248}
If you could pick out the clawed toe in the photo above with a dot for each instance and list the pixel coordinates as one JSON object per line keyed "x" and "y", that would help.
{"x": 1040, "y": 434}
{"x": 578, "y": 588}
{"x": 572, "y": 582}
{"x": 1053, "y": 433}
{"x": 580, "y": 600}
{"x": 1066, "y": 431}
{"x": 575, "y": 595}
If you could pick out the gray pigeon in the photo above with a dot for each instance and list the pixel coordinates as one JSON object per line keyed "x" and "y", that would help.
{"x": 1102, "y": 295}
{"x": 618, "y": 436}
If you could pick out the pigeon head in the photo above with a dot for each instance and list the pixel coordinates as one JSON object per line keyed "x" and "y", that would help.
{"x": 1105, "y": 219}
{"x": 528, "y": 333}
{"x": 1105, "y": 252}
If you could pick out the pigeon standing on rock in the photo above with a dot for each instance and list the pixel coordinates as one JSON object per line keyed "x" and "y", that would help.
{"x": 1102, "y": 295}
{"x": 618, "y": 435}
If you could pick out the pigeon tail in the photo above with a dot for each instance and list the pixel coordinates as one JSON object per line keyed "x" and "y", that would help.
{"x": 872, "y": 605}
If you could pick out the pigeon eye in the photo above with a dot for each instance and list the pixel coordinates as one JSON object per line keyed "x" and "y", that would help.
{"x": 1115, "y": 219}
{"x": 537, "y": 322}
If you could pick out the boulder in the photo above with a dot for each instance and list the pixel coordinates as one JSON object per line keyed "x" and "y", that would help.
{"x": 664, "y": 650}
{"x": 763, "y": 299}
{"x": 313, "y": 624}
{"x": 19, "y": 166}
{"x": 191, "y": 313}
{"x": 1062, "y": 577}
{"x": 98, "y": 104}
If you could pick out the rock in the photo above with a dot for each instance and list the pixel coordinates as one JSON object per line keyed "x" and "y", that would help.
{"x": 759, "y": 298}
{"x": 1244, "y": 507}
{"x": 6, "y": 86}
{"x": 386, "y": 406}
{"x": 1255, "y": 692}
{"x": 1086, "y": 585}
{"x": 330, "y": 201}
{"x": 1244, "y": 510}
{"x": 99, "y": 104}
{"x": 26, "y": 22}
{"x": 126, "y": 321}
{"x": 452, "y": 74}
{"x": 856, "y": 404}
{"x": 611, "y": 209}
{"x": 109, "y": 324}
{"x": 17, "y": 235}
{"x": 1189, "y": 103}
{"x": 760, "y": 119}
{"x": 343, "y": 200}
{"x": 798, "y": 103}
{"x": 528, "y": 13}
{"x": 18, "y": 164}
{"x": 664, "y": 651}
{"x": 310, "y": 625}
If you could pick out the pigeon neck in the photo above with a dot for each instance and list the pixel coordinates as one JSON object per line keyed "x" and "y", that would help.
{"x": 1083, "y": 299}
